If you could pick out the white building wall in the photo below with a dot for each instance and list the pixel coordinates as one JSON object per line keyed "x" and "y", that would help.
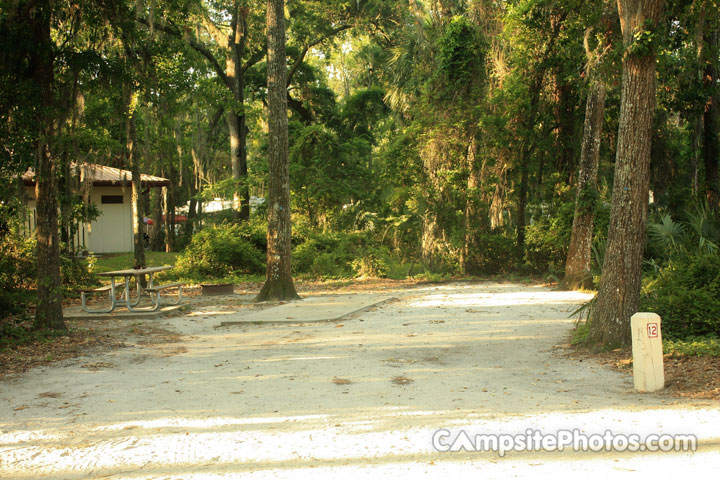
{"x": 110, "y": 232}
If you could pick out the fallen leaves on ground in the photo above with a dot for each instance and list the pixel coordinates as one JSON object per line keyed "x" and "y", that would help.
{"x": 685, "y": 376}
{"x": 400, "y": 380}
{"x": 76, "y": 343}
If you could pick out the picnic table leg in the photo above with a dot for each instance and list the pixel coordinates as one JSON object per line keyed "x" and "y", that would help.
{"x": 154, "y": 296}
{"x": 155, "y": 301}
{"x": 113, "y": 298}
{"x": 126, "y": 293}
{"x": 102, "y": 310}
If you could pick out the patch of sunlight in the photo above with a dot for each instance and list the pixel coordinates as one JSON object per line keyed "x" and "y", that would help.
{"x": 286, "y": 359}
{"x": 287, "y": 447}
{"x": 582, "y": 466}
{"x": 7, "y": 438}
{"x": 208, "y": 313}
{"x": 500, "y": 299}
{"x": 184, "y": 422}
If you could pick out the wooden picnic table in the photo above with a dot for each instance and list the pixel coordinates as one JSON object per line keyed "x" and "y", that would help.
{"x": 125, "y": 298}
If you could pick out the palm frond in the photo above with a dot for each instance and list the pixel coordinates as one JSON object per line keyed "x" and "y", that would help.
{"x": 668, "y": 234}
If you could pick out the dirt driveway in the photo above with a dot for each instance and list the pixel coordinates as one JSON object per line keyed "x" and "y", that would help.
{"x": 363, "y": 397}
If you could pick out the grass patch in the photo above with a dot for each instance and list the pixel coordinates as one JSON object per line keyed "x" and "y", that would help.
{"x": 197, "y": 279}
{"x": 120, "y": 261}
{"x": 580, "y": 333}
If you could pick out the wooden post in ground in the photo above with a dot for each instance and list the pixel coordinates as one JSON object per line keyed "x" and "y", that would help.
{"x": 647, "y": 350}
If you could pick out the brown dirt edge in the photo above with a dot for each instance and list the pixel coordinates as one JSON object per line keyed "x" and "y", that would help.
{"x": 77, "y": 343}
{"x": 685, "y": 376}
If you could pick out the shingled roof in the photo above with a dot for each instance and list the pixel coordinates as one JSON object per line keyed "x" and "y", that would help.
{"x": 102, "y": 176}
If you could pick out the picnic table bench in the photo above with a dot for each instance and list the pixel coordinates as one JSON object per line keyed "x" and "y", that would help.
{"x": 125, "y": 299}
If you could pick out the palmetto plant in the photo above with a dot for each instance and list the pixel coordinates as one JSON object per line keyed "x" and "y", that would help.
{"x": 705, "y": 228}
{"x": 670, "y": 235}
{"x": 699, "y": 234}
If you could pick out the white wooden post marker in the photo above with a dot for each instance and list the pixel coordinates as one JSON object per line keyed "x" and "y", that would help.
{"x": 647, "y": 352}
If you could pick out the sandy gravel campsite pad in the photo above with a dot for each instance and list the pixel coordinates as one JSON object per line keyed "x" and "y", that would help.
{"x": 358, "y": 397}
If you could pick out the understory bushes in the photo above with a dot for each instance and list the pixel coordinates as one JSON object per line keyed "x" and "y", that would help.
{"x": 546, "y": 249}
{"x": 686, "y": 295}
{"x": 341, "y": 254}
{"x": 17, "y": 273}
{"x": 226, "y": 250}
{"x": 493, "y": 254}
{"x": 218, "y": 251}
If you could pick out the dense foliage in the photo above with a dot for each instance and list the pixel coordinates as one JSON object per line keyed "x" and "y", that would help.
{"x": 219, "y": 251}
{"x": 686, "y": 295}
{"x": 426, "y": 137}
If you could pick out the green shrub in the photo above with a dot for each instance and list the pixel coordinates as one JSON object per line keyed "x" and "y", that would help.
{"x": 329, "y": 253}
{"x": 17, "y": 273}
{"x": 18, "y": 331}
{"x": 686, "y": 294}
{"x": 341, "y": 254}
{"x": 329, "y": 265}
{"x": 545, "y": 249}
{"x": 371, "y": 265}
{"x": 547, "y": 239}
{"x": 255, "y": 232}
{"x": 218, "y": 251}
{"x": 493, "y": 254}
{"x": 708, "y": 345}
{"x": 77, "y": 273}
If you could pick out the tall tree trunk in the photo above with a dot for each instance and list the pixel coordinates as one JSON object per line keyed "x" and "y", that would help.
{"x": 66, "y": 204}
{"x": 238, "y": 156}
{"x": 166, "y": 224}
{"x": 48, "y": 314}
{"x": 527, "y": 149}
{"x": 697, "y": 130}
{"x": 236, "y": 118}
{"x": 156, "y": 237}
{"x": 170, "y": 221}
{"x": 133, "y": 161}
{"x": 577, "y": 265}
{"x": 430, "y": 239}
{"x": 433, "y": 158}
{"x": 278, "y": 283}
{"x": 169, "y": 207}
{"x": 619, "y": 292}
{"x": 522, "y": 200}
{"x": 476, "y": 214}
{"x": 711, "y": 142}
{"x": 499, "y": 196}
{"x": 66, "y": 154}
{"x": 564, "y": 112}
